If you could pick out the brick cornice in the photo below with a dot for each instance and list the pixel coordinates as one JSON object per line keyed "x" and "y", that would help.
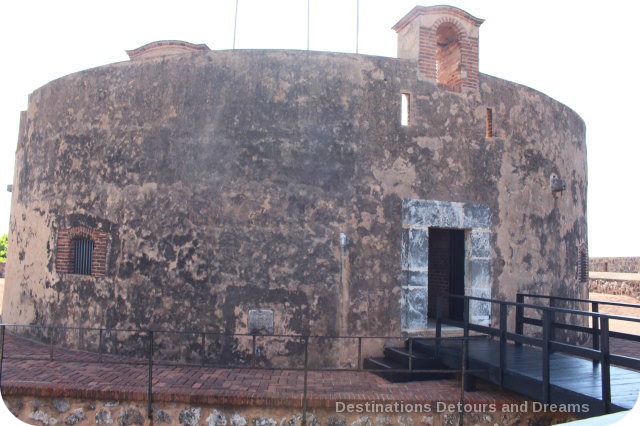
{"x": 436, "y": 10}
{"x": 165, "y": 44}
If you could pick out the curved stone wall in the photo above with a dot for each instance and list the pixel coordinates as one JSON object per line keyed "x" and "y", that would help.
{"x": 222, "y": 181}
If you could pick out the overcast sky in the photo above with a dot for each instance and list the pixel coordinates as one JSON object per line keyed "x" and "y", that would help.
{"x": 580, "y": 53}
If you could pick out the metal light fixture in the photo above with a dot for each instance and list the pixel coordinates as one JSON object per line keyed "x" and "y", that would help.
{"x": 556, "y": 184}
{"x": 343, "y": 241}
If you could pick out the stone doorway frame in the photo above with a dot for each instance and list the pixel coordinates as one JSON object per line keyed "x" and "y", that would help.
{"x": 417, "y": 217}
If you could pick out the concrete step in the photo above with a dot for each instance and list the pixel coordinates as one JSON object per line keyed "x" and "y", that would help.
{"x": 419, "y": 360}
{"x": 405, "y": 376}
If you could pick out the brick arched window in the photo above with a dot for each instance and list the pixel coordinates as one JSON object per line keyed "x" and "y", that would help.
{"x": 448, "y": 57}
{"x": 81, "y": 250}
{"x": 444, "y": 40}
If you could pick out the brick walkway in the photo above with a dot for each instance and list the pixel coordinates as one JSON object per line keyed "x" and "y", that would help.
{"x": 74, "y": 374}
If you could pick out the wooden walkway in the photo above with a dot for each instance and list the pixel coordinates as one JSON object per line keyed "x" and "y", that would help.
{"x": 573, "y": 380}
{"x": 548, "y": 365}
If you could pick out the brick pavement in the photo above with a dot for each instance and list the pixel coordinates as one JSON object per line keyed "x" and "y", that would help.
{"x": 75, "y": 374}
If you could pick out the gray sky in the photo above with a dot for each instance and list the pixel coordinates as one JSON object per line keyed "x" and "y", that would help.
{"x": 580, "y": 53}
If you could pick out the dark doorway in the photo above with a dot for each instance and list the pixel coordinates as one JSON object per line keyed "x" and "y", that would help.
{"x": 446, "y": 271}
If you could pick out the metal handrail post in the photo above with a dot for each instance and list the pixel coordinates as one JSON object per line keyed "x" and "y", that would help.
{"x": 100, "y": 346}
{"x": 465, "y": 345}
{"x": 605, "y": 373}
{"x": 519, "y": 317}
{"x": 552, "y": 313}
{"x": 463, "y": 384}
{"x": 50, "y": 343}
{"x": 410, "y": 354}
{"x": 503, "y": 341}
{"x": 304, "y": 391}
{"x": 204, "y": 351}
{"x": 546, "y": 328}
{"x": 595, "y": 330}
{"x": 150, "y": 389}
{"x": 253, "y": 351}
{"x": 1, "y": 352}
{"x": 466, "y": 317}
{"x": 439, "y": 323}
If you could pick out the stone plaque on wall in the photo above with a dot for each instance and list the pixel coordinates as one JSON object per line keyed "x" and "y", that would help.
{"x": 261, "y": 321}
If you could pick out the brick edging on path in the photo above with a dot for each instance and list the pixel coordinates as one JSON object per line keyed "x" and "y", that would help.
{"x": 78, "y": 392}
{"x": 240, "y": 398}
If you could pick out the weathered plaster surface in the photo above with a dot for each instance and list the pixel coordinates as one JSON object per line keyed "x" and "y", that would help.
{"x": 225, "y": 178}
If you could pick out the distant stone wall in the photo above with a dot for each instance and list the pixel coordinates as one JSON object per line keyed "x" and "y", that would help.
{"x": 609, "y": 286}
{"x": 614, "y": 264}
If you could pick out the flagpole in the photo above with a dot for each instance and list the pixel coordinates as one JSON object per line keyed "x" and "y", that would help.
{"x": 357, "y": 23}
{"x": 308, "y": 20}
{"x": 235, "y": 25}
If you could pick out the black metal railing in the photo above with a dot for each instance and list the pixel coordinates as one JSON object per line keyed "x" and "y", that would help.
{"x": 600, "y": 353}
{"x": 53, "y": 344}
{"x": 592, "y": 305}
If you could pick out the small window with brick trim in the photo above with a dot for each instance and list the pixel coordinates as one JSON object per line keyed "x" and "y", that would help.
{"x": 82, "y": 256}
{"x": 405, "y": 111}
{"x": 83, "y": 251}
{"x": 489, "y": 124}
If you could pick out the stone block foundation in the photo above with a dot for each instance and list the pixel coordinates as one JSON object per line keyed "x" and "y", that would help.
{"x": 50, "y": 411}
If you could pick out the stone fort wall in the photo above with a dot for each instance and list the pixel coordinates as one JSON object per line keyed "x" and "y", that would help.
{"x": 90, "y": 412}
{"x": 220, "y": 183}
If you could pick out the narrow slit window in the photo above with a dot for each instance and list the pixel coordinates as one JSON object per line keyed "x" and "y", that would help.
{"x": 82, "y": 256}
{"x": 404, "y": 109}
{"x": 489, "y": 126}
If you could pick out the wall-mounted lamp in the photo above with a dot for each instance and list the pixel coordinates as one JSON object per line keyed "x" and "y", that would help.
{"x": 557, "y": 185}
{"x": 344, "y": 241}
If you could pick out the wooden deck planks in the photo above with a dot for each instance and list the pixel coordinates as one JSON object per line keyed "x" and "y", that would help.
{"x": 569, "y": 375}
